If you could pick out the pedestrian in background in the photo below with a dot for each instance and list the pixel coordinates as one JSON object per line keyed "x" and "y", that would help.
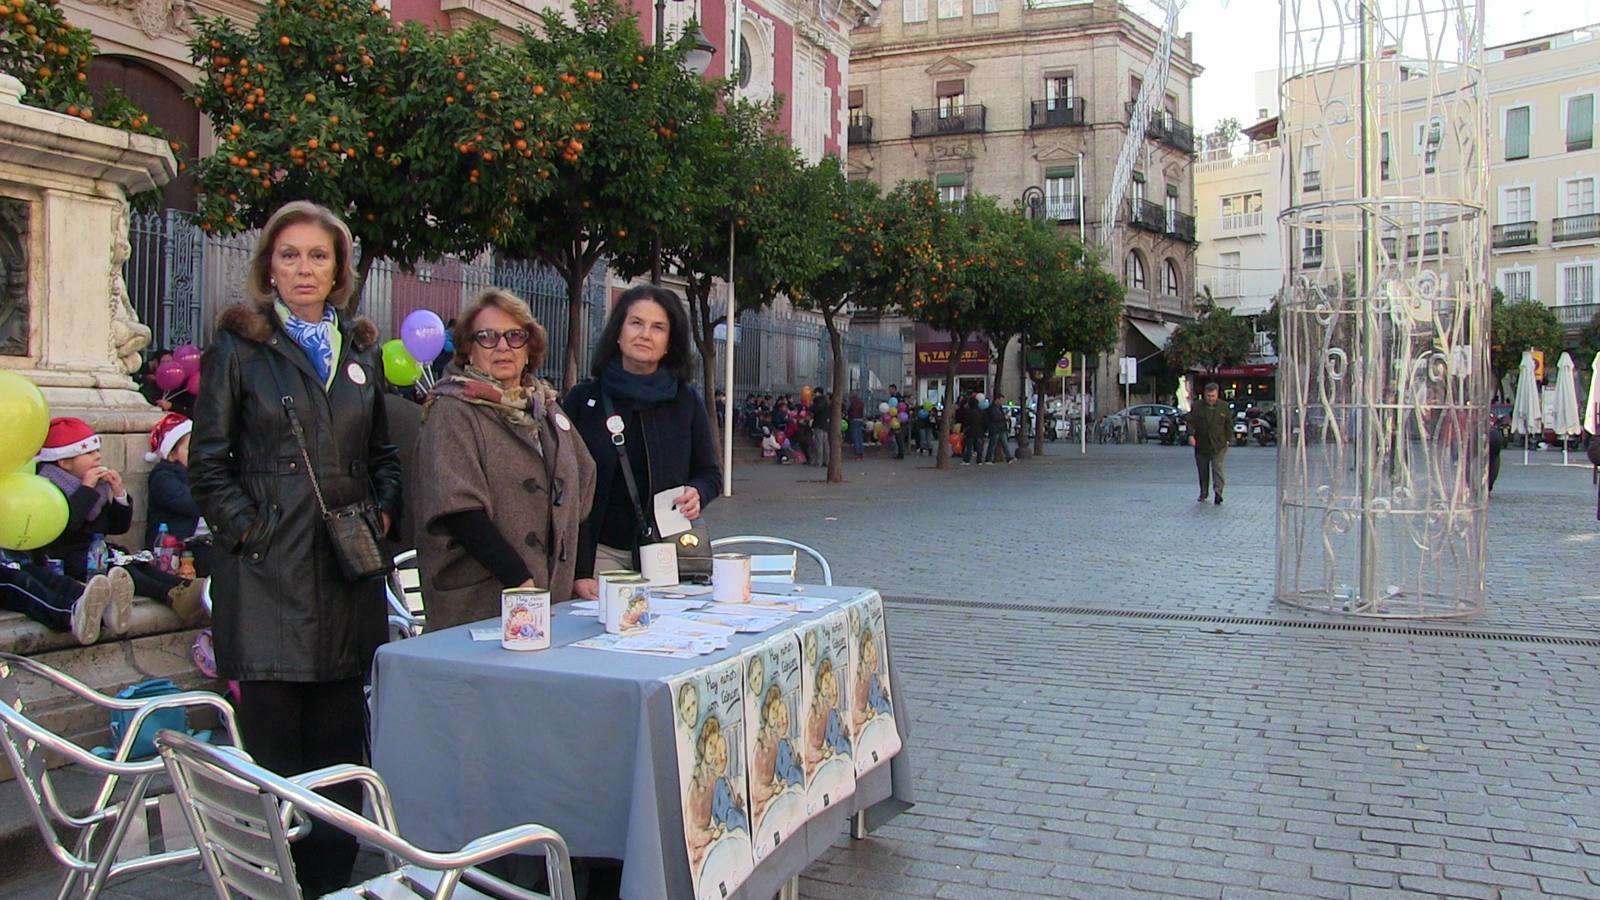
{"x": 1210, "y": 433}
{"x": 974, "y": 428}
{"x": 901, "y": 434}
{"x": 999, "y": 431}
{"x": 858, "y": 425}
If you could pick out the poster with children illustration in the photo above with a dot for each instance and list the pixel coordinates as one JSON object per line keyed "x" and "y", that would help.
{"x": 773, "y": 741}
{"x": 872, "y": 728}
{"x": 709, "y": 722}
{"x": 825, "y": 698}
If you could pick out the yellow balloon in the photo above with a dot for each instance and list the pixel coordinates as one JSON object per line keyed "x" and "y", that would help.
{"x": 33, "y": 511}
{"x": 27, "y": 418}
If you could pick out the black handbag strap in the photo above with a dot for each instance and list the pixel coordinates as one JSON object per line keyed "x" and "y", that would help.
{"x": 299, "y": 432}
{"x": 620, "y": 442}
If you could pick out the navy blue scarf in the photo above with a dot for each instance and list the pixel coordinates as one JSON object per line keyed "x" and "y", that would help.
{"x": 644, "y": 390}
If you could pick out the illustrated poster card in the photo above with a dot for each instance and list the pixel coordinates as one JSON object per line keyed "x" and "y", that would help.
{"x": 872, "y": 728}
{"x": 825, "y": 683}
{"x": 774, "y": 741}
{"x": 709, "y": 724}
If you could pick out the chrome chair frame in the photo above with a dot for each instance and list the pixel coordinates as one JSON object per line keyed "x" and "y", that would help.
{"x": 403, "y": 623}
{"x": 761, "y": 539}
{"x": 26, "y": 742}
{"x": 252, "y": 846}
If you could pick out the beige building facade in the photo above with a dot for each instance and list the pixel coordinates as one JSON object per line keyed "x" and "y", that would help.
{"x": 1030, "y": 101}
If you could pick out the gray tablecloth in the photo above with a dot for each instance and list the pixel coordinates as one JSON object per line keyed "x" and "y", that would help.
{"x": 472, "y": 738}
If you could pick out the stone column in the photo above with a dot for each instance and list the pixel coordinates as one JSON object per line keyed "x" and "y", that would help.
{"x": 65, "y": 320}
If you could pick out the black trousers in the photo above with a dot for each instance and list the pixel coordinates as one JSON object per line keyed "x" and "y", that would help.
{"x": 39, "y": 594}
{"x": 293, "y": 727}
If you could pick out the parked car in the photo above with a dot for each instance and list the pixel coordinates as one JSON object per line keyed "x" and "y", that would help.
{"x": 1148, "y": 413}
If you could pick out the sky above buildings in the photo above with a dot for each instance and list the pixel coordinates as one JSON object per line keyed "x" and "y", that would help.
{"x": 1235, "y": 39}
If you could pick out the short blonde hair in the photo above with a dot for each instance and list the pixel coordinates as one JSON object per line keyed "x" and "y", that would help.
{"x": 511, "y": 305}
{"x": 258, "y": 282}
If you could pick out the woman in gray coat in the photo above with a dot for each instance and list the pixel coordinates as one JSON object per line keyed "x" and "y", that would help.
{"x": 504, "y": 480}
{"x": 296, "y": 636}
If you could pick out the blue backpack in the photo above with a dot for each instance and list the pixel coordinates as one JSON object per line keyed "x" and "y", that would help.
{"x": 144, "y": 746}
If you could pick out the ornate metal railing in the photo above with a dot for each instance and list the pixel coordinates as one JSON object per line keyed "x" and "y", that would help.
{"x": 1062, "y": 112}
{"x": 960, "y": 120}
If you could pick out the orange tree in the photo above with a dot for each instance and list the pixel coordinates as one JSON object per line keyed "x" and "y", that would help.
{"x": 630, "y": 172}
{"x": 421, "y": 140}
{"x": 822, "y": 243}
{"x": 1075, "y": 306}
{"x": 736, "y": 156}
{"x": 51, "y": 59}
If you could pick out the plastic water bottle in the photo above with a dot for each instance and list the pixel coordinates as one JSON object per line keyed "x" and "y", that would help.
{"x": 186, "y": 566}
{"x": 171, "y": 548}
{"x": 99, "y": 558}
{"x": 160, "y": 551}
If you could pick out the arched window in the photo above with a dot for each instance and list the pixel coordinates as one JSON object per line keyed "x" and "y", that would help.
{"x": 1170, "y": 279}
{"x": 1133, "y": 270}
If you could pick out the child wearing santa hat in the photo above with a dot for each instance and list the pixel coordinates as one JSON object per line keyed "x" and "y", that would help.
{"x": 98, "y": 503}
{"x": 170, "y": 503}
{"x": 55, "y": 601}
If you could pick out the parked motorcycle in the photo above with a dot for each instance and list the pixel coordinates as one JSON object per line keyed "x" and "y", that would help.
{"x": 1172, "y": 429}
{"x": 1241, "y": 429}
{"x": 1263, "y": 426}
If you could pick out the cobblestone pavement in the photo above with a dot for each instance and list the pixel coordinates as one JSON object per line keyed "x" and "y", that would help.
{"x": 1069, "y": 753}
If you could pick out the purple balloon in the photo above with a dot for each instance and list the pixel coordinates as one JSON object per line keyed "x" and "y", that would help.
{"x": 170, "y": 376}
{"x": 423, "y": 334}
{"x": 187, "y": 356}
{"x": 905, "y": 417}
{"x": 192, "y": 384}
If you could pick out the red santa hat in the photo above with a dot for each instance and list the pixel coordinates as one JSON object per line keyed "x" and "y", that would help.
{"x": 67, "y": 437}
{"x": 165, "y": 436}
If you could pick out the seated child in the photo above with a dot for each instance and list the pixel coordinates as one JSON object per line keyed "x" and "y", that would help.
{"x": 170, "y": 502}
{"x": 98, "y": 503}
{"x": 56, "y": 601}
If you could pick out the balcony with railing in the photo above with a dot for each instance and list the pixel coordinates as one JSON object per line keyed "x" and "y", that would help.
{"x": 1181, "y": 226}
{"x": 1147, "y": 215}
{"x": 1062, "y": 112}
{"x": 860, "y": 131}
{"x": 1311, "y": 180}
{"x": 1515, "y": 234}
{"x": 1062, "y": 209}
{"x": 1435, "y": 243}
{"x": 1576, "y": 317}
{"x": 1168, "y": 129}
{"x": 1243, "y": 223}
{"x": 967, "y": 119}
{"x": 1585, "y": 227}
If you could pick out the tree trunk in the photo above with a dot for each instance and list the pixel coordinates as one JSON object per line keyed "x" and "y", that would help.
{"x": 835, "y": 400}
{"x": 1001, "y": 346}
{"x": 942, "y": 460}
{"x": 1022, "y": 388}
{"x": 1038, "y": 417}
{"x": 705, "y": 339}
{"x": 576, "y": 273}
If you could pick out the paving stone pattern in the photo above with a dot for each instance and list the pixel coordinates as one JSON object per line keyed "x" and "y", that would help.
{"x": 1061, "y": 754}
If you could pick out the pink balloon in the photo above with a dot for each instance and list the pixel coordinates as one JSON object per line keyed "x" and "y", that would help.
{"x": 170, "y": 376}
{"x": 187, "y": 356}
{"x": 192, "y": 385}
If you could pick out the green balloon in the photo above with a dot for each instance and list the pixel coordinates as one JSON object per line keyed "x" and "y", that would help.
{"x": 33, "y": 512}
{"x": 399, "y": 366}
{"x": 844, "y": 426}
{"x": 27, "y": 417}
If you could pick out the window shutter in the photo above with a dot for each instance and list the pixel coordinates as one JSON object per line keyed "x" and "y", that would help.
{"x": 1139, "y": 177}
{"x": 1580, "y": 122}
{"x": 1172, "y": 190}
{"x": 1059, "y": 172}
{"x": 952, "y": 179}
{"x": 951, "y": 88}
{"x": 1517, "y": 133}
{"x": 858, "y": 98}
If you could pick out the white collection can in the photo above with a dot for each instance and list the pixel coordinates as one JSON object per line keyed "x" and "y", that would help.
{"x": 525, "y": 619}
{"x": 730, "y": 577}
{"x": 604, "y": 578}
{"x": 626, "y": 605}
{"x": 658, "y": 563}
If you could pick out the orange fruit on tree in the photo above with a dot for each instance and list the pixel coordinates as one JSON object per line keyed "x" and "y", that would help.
{"x": 310, "y": 97}
{"x": 284, "y": 41}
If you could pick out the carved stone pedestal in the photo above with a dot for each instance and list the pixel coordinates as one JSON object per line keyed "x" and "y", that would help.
{"x": 65, "y": 320}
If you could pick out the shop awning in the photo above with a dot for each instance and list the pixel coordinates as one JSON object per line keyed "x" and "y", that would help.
{"x": 1157, "y": 333}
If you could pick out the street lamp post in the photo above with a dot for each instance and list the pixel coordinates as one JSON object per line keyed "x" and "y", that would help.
{"x": 1033, "y": 202}
{"x": 1033, "y": 208}
{"x": 698, "y": 60}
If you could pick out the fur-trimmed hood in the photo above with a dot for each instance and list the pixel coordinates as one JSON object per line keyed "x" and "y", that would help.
{"x": 256, "y": 321}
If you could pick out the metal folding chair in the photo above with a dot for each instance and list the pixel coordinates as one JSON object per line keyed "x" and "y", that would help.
{"x": 403, "y": 590}
{"x": 242, "y": 816}
{"x": 776, "y": 567}
{"x": 79, "y": 841}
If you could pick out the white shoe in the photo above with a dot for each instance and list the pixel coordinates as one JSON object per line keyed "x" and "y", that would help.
{"x": 119, "y": 612}
{"x": 90, "y": 607}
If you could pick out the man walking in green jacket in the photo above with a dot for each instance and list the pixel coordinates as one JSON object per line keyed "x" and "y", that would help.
{"x": 1210, "y": 434}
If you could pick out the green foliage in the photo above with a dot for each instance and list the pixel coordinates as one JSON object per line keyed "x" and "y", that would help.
{"x": 417, "y": 137}
{"x": 1216, "y": 338}
{"x": 51, "y": 58}
{"x": 1588, "y": 343}
{"x": 1517, "y": 326}
{"x": 631, "y": 173}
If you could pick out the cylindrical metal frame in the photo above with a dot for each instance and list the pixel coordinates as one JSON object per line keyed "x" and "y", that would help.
{"x": 1383, "y": 377}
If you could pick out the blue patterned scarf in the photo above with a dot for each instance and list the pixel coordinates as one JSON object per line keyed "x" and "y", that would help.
{"x": 314, "y": 338}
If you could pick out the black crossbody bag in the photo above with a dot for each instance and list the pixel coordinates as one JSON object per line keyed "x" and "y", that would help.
{"x": 354, "y": 529}
{"x": 694, "y": 545}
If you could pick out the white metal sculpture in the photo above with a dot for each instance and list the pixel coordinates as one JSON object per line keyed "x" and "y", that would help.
{"x": 1384, "y": 376}
{"x": 1151, "y": 90}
